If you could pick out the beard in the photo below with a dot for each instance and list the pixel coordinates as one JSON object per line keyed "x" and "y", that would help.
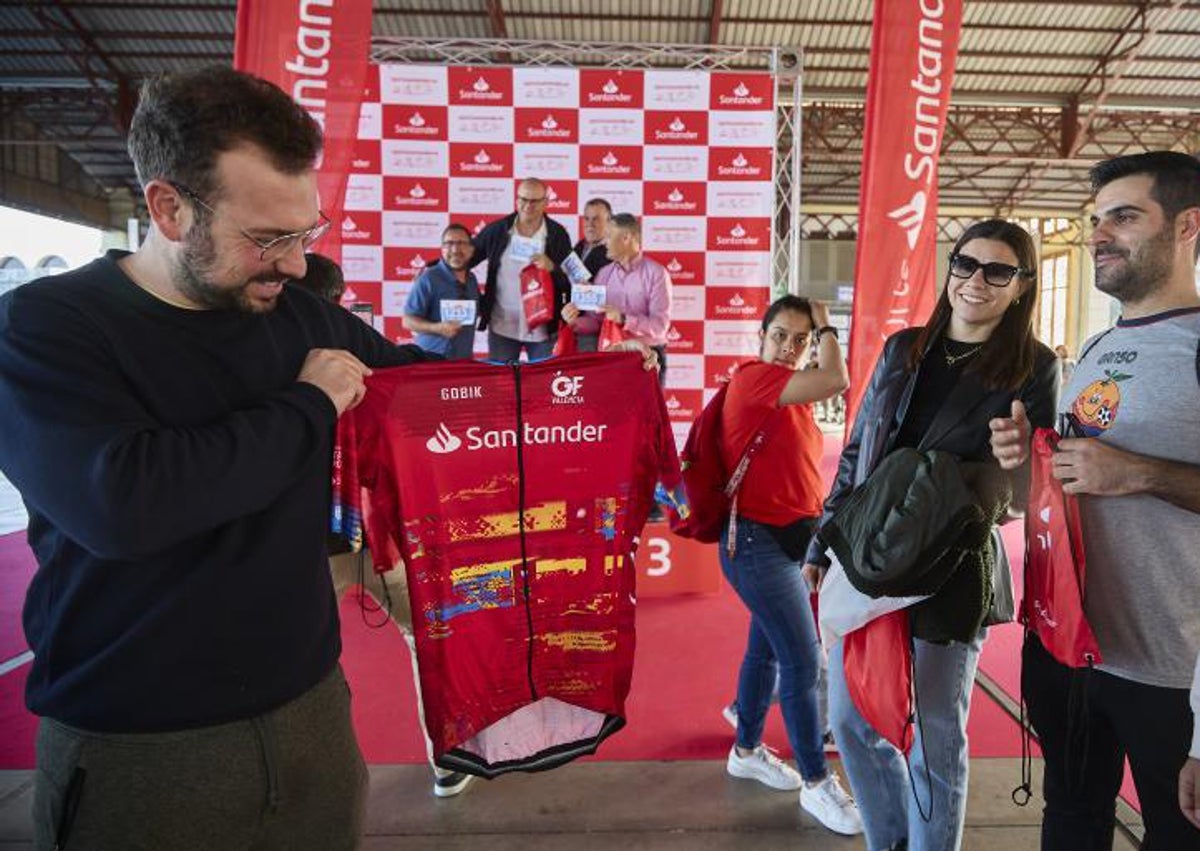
{"x": 1146, "y": 270}
{"x": 194, "y": 277}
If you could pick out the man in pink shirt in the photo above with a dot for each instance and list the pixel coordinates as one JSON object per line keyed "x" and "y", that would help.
{"x": 638, "y": 294}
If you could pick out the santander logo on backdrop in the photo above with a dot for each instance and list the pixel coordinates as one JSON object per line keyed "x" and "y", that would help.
{"x": 543, "y": 125}
{"x": 479, "y": 86}
{"x": 601, "y": 87}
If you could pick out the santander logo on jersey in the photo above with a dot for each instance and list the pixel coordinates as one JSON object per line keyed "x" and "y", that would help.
{"x": 415, "y": 122}
{"x": 443, "y": 441}
{"x": 611, "y": 89}
{"x": 489, "y": 85}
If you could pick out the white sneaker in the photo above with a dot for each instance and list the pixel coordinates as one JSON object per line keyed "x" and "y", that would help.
{"x": 729, "y": 713}
{"x": 829, "y": 804}
{"x": 765, "y": 767}
{"x": 450, "y": 784}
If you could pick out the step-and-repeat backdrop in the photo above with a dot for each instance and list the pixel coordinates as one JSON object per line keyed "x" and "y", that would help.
{"x": 690, "y": 152}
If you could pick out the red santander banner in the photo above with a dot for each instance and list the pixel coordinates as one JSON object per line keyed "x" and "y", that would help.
{"x": 321, "y": 61}
{"x": 914, "y": 45}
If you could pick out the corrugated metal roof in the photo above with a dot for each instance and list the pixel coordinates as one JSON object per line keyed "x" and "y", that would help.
{"x": 1037, "y": 55}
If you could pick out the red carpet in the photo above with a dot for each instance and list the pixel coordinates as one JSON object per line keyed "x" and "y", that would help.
{"x": 688, "y": 653}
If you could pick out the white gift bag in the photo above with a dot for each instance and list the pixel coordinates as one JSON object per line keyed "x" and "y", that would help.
{"x": 843, "y": 608}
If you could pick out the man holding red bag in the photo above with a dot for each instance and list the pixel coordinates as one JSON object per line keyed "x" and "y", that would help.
{"x": 1134, "y": 399}
{"x": 637, "y": 293}
{"x": 525, "y": 238}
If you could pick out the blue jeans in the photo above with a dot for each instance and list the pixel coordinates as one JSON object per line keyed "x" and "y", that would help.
{"x": 506, "y": 349}
{"x": 945, "y": 674}
{"x": 783, "y": 640}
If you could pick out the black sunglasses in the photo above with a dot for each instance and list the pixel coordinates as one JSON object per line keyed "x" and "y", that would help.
{"x": 994, "y": 274}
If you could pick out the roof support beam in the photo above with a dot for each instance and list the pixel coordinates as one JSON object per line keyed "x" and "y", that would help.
{"x": 714, "y": 22}
{"x": 495, "y": 11}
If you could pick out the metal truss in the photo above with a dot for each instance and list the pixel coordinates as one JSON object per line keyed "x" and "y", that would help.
{"x": 995, "y": 157}
{"x": 816, "y": 225}
{"x": 784, "y": 63}
{"x": 500, "y": 51}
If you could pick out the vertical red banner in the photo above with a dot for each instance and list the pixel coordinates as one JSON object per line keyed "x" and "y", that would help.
{"x": 914, "y": 45}
{"x": 316, "y": 51}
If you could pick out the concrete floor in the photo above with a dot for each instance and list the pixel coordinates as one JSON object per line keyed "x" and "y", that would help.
{"x": 632, "y": 806}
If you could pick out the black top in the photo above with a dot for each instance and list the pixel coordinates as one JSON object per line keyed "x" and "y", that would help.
{"x": 939, "y": 372}
{"x": 177, "y": 480}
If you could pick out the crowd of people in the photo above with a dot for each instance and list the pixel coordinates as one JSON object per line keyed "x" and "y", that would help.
{"x": 169, "y": 422}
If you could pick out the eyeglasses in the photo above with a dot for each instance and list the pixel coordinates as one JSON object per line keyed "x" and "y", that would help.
{"x": 994, "y": 274}
{"x": 270, "y": 249}
{"x": 456, "y": 243}
{"x": 529, "y": 202}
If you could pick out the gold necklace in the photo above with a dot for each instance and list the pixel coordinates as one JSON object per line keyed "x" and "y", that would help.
{"x": 951, "y": 360}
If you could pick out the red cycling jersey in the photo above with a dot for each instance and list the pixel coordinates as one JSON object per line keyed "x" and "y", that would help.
{"x": 514, "y": 496}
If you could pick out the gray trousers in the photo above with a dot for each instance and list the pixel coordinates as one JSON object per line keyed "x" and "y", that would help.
{"x": 291, "y": 779}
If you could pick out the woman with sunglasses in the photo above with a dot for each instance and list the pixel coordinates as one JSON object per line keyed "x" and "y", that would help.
{"x": 938, "y": 387}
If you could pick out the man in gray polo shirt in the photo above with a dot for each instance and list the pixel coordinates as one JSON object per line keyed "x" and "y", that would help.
{"x": 1134, "y": 405}
{"x": 441, "y": 309}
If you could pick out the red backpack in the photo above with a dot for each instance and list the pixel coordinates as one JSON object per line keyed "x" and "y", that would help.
{"x": 711, "y": 490}
{"x": 704, "y": 477}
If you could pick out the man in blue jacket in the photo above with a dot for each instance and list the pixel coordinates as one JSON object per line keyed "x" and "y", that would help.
{"x": 509, "y": 245}
{"x": 168, "y": 421}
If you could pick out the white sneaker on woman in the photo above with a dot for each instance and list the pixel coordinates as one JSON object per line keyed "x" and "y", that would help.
{"x": 763, "y": 766}
{"x": 829, "y": 804}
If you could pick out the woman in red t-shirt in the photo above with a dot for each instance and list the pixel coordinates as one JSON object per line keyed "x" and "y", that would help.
{"x": 778, "y": 504}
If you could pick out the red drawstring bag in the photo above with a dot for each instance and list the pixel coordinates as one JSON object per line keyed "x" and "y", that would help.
{"x": 566, "y": 344}
{"x": 877, "y": 660}
{"x": 610, "y": 335}
{"x": 1054, "y": 564}
{"x": 537, "y": 295}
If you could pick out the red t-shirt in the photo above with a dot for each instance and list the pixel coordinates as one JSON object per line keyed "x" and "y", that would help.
{"x": 524, "y": 630}
{"x": 783, "y": 482}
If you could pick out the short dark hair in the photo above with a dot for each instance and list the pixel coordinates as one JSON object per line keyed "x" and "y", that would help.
{"x": 599, "y": 202}
{"x": 184, "y": 121}
{"x": 1176, "y": 177}
{"x": 456, "y": 226}
{"x": 1006, "y": 360}
{"x": 323, "y": 278}
{"x": 790, "y": 303}
{"x": 627, "y": 222}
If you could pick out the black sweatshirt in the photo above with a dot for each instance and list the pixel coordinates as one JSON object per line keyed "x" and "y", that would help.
{"x": 177, "y": 480}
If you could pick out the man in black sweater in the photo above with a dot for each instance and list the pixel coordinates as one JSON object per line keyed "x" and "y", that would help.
{"x": 169, "y": 416}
